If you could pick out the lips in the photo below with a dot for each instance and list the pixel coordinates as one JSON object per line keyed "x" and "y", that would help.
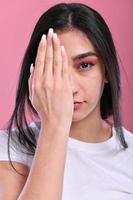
{"x": 77, "y": 102}
{"x": 77, "y": 105}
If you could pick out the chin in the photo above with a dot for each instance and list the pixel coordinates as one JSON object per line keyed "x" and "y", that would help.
{"x": 78, "y": 117}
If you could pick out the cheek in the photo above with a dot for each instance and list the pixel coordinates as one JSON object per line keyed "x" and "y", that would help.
{"x": 94, "y": 86}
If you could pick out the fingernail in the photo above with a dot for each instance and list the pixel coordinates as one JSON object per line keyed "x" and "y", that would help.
{"x": 43, "y": 39}
{"x": 31, "y": 68}
{"x": 50, "y": 32}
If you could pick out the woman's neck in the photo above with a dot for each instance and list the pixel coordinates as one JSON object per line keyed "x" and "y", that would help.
{"x": 91, "y": 129}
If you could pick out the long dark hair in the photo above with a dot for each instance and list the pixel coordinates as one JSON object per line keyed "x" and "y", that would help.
{"x": 65, "y": 16}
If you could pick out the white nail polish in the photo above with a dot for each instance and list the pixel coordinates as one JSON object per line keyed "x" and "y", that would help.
{"x": 43, "y": 37}
{"x": 50, "y": 32}
{"x": 31, "y": 68}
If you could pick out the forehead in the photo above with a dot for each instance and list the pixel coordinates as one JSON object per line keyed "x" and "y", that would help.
{"x": 75, "y": 42}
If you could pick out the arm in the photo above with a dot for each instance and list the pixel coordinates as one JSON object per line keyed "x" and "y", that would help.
{"x": 45, "y": 179}
{"x": 51, "y": 96}
{"x": 11, "y": 183}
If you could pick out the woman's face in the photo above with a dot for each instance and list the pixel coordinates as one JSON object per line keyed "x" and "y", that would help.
{"x": 86, "y": 72}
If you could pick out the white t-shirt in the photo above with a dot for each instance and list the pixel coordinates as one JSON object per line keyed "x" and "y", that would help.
{"x": 93, "y": 171}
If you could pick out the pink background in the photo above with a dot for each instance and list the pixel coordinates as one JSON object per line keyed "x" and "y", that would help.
{"x": 17, "y": 20}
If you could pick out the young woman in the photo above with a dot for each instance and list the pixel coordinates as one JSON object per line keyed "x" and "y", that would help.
{"x": 70, "y": 80}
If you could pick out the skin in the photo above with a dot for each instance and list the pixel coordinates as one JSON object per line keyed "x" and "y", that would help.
{"x": 87, "y": 87}
{"x": 54, "y": 84}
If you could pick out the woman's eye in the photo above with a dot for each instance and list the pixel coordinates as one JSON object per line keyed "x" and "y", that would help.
{"x": 85, "y": 65}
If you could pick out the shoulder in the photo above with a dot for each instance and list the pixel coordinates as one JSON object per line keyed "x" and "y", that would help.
{"x": 16, "y": 153}
{"x": 128, "y": 137}
{"x": 4, "y": 134}
{"x": 35, "y": 126}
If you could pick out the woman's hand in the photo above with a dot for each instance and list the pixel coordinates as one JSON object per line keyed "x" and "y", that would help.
{"x": 50, "y": 91}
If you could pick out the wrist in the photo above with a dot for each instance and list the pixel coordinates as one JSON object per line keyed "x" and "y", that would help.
{"x": 54, "y": 130}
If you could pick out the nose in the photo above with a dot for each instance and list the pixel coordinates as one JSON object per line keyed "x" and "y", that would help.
{"x": 74, "y": 82}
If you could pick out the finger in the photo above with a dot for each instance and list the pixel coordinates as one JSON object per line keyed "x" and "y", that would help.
{"x": 39, "y": 62}
{"x": 57, "y": 58}
{"x": 65, "y": 69}
{"x": 48, "y": 69}
{"x": 30, "y": 81}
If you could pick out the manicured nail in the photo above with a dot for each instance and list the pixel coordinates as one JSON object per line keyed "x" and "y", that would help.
{"x": 43, "y": 39}
{"x": 31, "y": 68}
{"x": 50, "y": 32}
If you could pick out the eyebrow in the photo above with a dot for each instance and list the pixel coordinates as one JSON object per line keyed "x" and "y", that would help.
{"x": 83, "y": 55}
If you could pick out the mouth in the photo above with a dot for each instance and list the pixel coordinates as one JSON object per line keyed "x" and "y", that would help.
{"x": 77, "y": 105}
